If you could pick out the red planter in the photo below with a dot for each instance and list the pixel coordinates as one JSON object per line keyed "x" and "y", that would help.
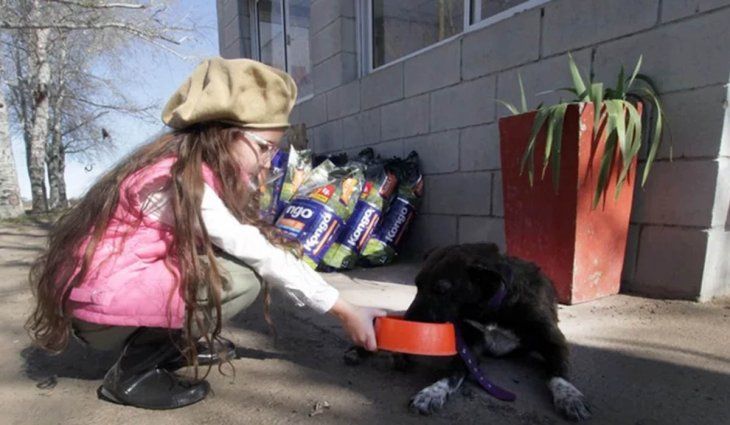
{"x": 581, "y": 249}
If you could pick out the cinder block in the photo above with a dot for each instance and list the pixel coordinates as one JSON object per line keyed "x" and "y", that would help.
{"x": 677, "y": 193}
{"x": 632, "y": 249}
{"x": 313, "y": 112}
{"x": 323, "y": 12}
{"x": 362, "y": 129}
{"x": 329, "y": 138}
{"x": 295, "y": 117}
{"x": 479, "y": 148}
{"x": 405, "y": 118}
{"x": 716, "y": 276}
{"x": 671, "y": 262}
{"x": 349, "y": 35}
{"x": 686, "y": 54}
{"x": 696, "y": 119}
{"x": 312, "y": 137}
{"x": 382, "y": 86}
{"x": 538, "y": 77}
{"x": 227, "y": 11}
{"x": 429, "y": 231}
{"x": 338, "y": 36}
{"x": 231, "y": 34}
{"x": 497, "y": 199}
{"x": 344, "y": 100}
{"x": 232, "y": 50}
{"x": 334, "y": 72}
{"x": 462, "y": 105}
{"x": 482, "y": 229}
{"x": 508, "y": 43}
{"x": 437, "y": 152}
{"x": 325, "y": 43}
{"x": 433, "y": 69}
{"x": 458, "y": 193}
{"x": 572, "y": 24}
{"x": 677, "y": 9}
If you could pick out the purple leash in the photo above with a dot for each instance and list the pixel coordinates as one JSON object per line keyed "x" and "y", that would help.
{"x": 471, "y": 362}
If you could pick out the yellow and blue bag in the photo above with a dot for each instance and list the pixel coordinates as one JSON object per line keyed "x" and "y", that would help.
{"x": 382, "y": 247}
{"x": 323, "y": 203}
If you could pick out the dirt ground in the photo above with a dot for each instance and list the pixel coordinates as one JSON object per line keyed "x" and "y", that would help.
{"x": 639, "y": 361}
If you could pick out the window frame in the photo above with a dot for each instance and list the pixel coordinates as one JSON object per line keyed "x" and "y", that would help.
{"x": 364, "y": 25}
{"x": 256, "y": 42}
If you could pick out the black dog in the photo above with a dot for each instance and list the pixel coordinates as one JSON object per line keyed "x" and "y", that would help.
{"x": 457, "y": 283}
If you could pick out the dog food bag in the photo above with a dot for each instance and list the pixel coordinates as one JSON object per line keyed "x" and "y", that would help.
{"x": 380, "y": 184}
{"x": 382, "y": 246}
{"x": 299, "y": 166}
{"x": 271, "y": 187}
{"x": 317, "y": 213}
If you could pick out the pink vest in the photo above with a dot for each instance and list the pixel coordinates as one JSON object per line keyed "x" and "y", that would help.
{"x": 129, "y": 283}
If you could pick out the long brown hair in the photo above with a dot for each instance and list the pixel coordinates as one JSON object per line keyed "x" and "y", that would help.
{"x": 53, "y": 274}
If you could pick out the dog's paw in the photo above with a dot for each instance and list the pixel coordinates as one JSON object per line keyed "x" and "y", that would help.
{"x": 430, "y": 399}
{"x": 568, "y": 400}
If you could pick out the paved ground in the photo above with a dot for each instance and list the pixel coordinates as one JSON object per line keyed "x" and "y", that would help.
{"x": 639, "y": 361}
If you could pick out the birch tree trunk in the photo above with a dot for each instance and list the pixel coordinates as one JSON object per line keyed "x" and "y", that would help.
{"x": 39, "y": 130}
{"x": 55, "y": 165}
{"x": 10, "y": 202}
{"x": 62, "y": 197}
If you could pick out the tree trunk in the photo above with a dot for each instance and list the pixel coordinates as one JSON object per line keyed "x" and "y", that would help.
{"x": 39, "y": 129}
{"x": 55, "y": 165}
{"x": 54, "y": 157}
{"x": 10, "y": 202}
{"x": 62, "y": 197}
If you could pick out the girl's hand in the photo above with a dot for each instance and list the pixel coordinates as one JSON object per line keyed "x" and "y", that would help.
{"x": 358, "y": 322}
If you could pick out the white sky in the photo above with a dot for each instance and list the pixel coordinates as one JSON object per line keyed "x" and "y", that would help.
{"x": 155, "y": 78}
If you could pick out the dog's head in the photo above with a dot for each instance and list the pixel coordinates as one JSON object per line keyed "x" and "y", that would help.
{"x": 456, "y": 283}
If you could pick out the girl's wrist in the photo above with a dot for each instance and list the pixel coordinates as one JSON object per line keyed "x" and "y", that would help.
{"x": 341, "y": 309}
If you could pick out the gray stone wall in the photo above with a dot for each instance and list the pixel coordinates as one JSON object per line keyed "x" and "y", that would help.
{"x": 441, "y": 103}
{"x": 234, "y": 35}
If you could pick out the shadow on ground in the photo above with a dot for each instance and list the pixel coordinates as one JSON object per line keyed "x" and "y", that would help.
{"x": 623, "y": 388}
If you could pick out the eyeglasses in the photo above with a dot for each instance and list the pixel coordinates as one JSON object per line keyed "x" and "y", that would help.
{"x": 268, "y": 148}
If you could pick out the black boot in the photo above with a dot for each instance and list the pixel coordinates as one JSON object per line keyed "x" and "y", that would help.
{"x": 223, "y": 348}
{"x": 138, "y": 378}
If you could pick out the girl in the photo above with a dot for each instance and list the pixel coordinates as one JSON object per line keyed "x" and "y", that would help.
{"x": 168, "y": 244}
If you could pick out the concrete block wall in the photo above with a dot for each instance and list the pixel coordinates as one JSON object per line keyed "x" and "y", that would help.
{"x": 234, "y": 37}
{"x": 441, "y": 103}
{"x": 332, "y": 44}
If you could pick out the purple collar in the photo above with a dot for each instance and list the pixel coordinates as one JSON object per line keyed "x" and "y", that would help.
{"x": 470, "y": 360}
{"x": 477, "y": 373}
{"x": 498, "y": 298}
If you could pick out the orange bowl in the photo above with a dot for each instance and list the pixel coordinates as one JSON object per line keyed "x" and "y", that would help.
{"x": 393, "y": 333}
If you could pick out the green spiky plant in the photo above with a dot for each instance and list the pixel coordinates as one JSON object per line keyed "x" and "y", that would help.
{"x": 615, "y": 111}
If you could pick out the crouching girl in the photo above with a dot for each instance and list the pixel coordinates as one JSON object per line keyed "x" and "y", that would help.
{"x": 168, "y": 244}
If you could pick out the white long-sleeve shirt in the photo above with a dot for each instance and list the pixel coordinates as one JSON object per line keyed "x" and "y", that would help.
{"x": 248, "y": 244}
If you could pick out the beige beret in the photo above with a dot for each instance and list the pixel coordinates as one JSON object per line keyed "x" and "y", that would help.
{"x": 236, "y": 91}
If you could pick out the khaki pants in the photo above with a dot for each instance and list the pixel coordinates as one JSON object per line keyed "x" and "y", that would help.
{"x": 241, "y": 286}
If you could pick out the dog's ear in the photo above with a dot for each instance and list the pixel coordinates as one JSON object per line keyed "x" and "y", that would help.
{"x": 489, "y": 271}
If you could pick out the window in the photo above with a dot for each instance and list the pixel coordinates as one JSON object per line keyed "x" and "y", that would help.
{"x": 281, "y": 38}
{"x": 394, "y": 29}
{"x": 404, "y": 26}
